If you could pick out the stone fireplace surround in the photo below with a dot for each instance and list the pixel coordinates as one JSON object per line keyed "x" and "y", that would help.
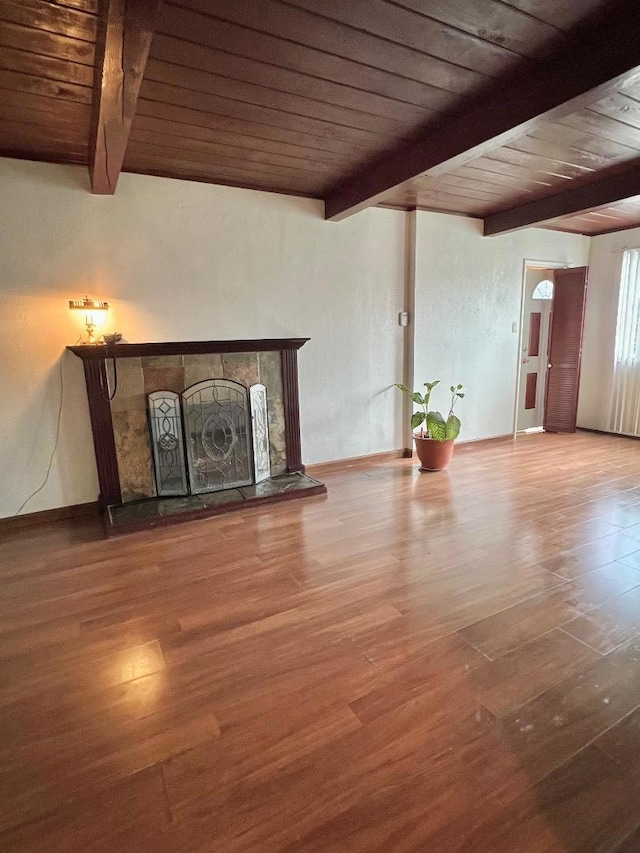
{"x": 121, "y": 431}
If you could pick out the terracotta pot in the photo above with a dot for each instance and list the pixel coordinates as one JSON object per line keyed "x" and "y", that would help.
{"x": 433, "y": 455}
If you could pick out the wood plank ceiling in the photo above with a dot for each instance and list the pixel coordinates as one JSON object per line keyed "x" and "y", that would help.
{"x": 295, "y": 96}
{"x": 600, "y": 139}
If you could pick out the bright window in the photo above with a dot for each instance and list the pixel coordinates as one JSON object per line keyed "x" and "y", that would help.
{"x": 625, "y": 414}
{"x": 628, "y": 308}
{"x": 544, "y": 290}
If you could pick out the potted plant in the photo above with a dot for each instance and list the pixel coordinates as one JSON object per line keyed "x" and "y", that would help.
{"x": 434, "y": 445}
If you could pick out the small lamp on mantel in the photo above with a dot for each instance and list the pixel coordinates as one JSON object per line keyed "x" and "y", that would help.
{"x": 89, "y": 306}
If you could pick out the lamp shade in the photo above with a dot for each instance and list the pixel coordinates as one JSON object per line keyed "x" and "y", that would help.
{"x": 87, "y": 304}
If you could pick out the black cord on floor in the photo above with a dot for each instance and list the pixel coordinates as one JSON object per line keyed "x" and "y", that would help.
{"x": 55, "y": 446}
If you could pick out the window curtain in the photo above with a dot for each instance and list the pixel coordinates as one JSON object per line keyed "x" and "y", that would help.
{"x": 625, "y": 416}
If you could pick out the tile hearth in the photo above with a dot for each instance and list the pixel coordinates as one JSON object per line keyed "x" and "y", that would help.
{"x": 139, "y": 515}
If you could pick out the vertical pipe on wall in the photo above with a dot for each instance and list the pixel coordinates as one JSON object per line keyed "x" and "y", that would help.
{"x": 410, "y": 329}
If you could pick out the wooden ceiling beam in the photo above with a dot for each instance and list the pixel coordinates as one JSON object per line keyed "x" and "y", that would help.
{"x": 577, "y": 200}
{"x": 593, "y": 61}
{"x": 124, "y": 39}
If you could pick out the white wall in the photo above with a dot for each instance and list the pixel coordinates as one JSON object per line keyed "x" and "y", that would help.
{"x": 468, "y": 295}
{"x": 186, "y": 261}
{"x": 596, "y": 383}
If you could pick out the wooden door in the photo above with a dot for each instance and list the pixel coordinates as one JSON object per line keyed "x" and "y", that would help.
{"x": 565, "y": 349}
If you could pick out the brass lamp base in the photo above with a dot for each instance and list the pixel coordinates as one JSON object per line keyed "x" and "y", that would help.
{"x": 91, "y": 338}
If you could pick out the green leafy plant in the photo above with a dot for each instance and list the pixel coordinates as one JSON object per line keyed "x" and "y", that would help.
{"x": 436, "y": 426}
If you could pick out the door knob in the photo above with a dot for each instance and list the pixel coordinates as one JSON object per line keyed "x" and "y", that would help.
{"x": 549, "y": 365}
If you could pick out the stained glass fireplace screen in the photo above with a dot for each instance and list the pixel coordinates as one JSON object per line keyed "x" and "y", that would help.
{"x": 217, "y": 435}
{"x": 166, "y": 441}
{"x": 260, "y": 431}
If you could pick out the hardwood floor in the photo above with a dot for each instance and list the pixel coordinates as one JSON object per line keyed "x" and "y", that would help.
{"x": 446, "y": 662}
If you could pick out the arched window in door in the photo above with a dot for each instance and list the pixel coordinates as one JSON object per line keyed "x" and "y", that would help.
{"x": 544, "y": 290}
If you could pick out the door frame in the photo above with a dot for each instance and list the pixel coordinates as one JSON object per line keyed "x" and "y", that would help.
{"x": 529, "y": 264}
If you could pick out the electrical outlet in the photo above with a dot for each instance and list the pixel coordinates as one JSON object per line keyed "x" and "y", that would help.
{"x": 514, "y": 327}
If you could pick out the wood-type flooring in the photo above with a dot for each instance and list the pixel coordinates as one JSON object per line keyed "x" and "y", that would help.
{"x": 415, "y": 662}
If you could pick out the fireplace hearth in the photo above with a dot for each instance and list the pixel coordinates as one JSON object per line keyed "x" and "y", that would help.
{"x": 194, "y": 428}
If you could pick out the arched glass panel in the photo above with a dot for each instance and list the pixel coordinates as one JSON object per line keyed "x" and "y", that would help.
{"x": 217, "y": 435}
{"x": 544, "y": 290}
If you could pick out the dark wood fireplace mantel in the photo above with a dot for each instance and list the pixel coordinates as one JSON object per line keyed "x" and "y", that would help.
{"x": 108, "y": 351}
{"x": 95, "y": 360}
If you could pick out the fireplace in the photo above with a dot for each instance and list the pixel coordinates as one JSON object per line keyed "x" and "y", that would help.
{"x": 199, "y": 427}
